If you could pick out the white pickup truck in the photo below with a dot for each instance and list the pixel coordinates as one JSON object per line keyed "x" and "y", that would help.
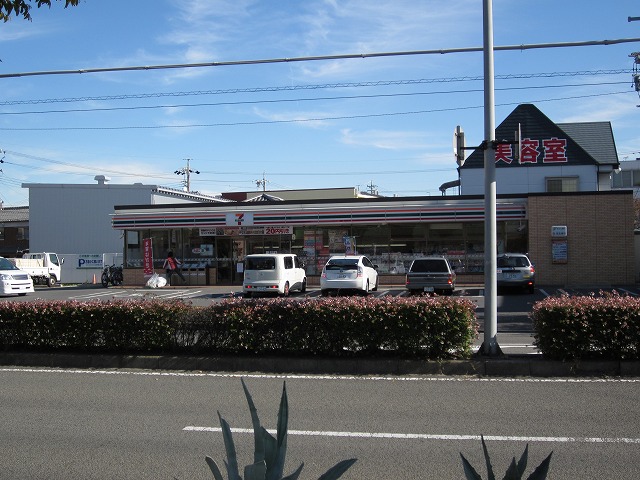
{"x": 44, "y": 268}
{"x": 13, "y": 280}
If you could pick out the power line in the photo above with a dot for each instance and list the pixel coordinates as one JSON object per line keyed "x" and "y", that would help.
{"x": 375, "y": 83}
{"x": 306, "y": 99}
{"x": 319, "y": 58}
{"x": 295, "y": 120}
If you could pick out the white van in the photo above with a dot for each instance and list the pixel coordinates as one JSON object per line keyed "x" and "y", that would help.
{"x": 276, "y": 273}
{"x": 13, "y": 280}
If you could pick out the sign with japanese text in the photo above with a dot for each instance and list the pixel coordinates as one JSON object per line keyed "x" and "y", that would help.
{"x": 90, "y": 261}
{"x": 559, "y": 231}
{"x": 546, "y": 151}
{"x": 233, "y": 231}
{"x": 147, "y": 256}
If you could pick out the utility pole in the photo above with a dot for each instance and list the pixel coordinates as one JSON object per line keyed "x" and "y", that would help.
{"x": 262, "y": 182}
{"x": 186, "y": 172}
{"x": 372, "y": 188}
{"x": 490, "y": 345}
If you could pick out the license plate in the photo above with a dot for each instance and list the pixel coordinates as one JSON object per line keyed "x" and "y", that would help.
{"x": 510, "y": 276}
{"x": 261, "y": 288}
{"x": 428, "y": 289}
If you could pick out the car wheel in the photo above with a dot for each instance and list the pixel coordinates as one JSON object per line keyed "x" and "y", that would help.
{"x": 21, "y": 294}
{"x": 304, "y": 286}
{"x": 285, "y": 290}
{"x": 51, "y": 281}
{"x": 246, "y": 295}
{"x": 531, "y": 289}
{"x": 324, "y": 293}
{"x": 365, "y": 292}
{"x": 375, "y": 287}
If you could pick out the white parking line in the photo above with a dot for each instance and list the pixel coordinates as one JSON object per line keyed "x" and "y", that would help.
{"x": 293, "y": 376}
{"x": 428, "y": 436}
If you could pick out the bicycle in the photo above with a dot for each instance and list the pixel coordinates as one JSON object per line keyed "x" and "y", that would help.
{"x": 112, "y": 274}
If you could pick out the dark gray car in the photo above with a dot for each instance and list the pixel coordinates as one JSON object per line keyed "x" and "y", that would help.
{"x": 431, "y": 274}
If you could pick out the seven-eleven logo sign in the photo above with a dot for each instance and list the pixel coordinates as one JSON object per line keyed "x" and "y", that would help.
{"x": 239, "y": 219}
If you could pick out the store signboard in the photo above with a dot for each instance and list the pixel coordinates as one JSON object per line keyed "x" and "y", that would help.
{"x": 234, "y": 231}
{"x": 147, "y": 251}
{"x": 558, "y": 231}
{"x": 559, "y": 251}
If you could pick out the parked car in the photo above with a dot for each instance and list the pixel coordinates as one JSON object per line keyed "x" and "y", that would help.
{"x": 273, "y": 273}
{"x": 515, "y": 270}
{"x": 431, "y": 274}
{"x": 13, "y": 280}
{"x": 348, "y": 273}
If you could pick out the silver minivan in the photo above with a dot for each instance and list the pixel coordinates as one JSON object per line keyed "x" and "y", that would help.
{"x": 273, "y": 273}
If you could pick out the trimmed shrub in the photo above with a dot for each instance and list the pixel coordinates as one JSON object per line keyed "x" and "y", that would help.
{"x": 416, "y": 327}
{"x": 605, "y": 326}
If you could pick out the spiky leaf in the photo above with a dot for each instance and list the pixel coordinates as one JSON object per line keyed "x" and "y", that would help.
{"x": 487, "y": 459}
{"x": 258, "y": 441}
{"x": 338, "y": 469}
{"x": 232, "y": 459}
{"x": 512, "y": 472}
{"x": 294, "y": 475}
{"x": 255, "y": 471}
{"x": 541, "y": 472}
{"x": 275, "y": 470}
{"x": 213, "y": 466}
{"x": 270, "y": 447}
{"x": 469, "y": 471}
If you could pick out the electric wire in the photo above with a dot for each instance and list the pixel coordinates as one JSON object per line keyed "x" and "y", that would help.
{"x": 295, "y": 120}
{"x": 375, "y": 83}
{"x": 304, "y": 99}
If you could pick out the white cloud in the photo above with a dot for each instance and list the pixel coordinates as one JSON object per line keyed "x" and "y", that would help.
{"x": 385, "y": 139}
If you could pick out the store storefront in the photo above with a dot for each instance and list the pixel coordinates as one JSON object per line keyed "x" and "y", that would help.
{"x": 212, "y": 240}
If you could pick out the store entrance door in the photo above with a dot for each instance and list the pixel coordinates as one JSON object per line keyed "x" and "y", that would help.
{"x": 229, "y": 250}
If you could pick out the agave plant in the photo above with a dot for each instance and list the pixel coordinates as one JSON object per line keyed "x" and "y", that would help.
{"x": 515, "y": 470}
{"x": 269, "y": 451}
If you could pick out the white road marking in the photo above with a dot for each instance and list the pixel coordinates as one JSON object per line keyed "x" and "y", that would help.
{"x": 389, "y": 378}
{"x": 168, "y": 294}
{"x": 427, "y": 436}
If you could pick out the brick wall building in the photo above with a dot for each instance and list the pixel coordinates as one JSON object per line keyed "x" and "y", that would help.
{"x": 599, "y": 238}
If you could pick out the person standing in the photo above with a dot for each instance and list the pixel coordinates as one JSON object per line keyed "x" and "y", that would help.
{"x": 172, "y": 265}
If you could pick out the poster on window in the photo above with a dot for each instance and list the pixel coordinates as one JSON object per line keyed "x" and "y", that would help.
{"x": 147, "y": 252}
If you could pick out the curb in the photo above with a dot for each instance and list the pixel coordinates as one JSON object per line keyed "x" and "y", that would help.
{"x": 507, "y": 366}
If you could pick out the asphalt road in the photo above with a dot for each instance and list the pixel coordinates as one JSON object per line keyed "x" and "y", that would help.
{"x": 62, "y": 424}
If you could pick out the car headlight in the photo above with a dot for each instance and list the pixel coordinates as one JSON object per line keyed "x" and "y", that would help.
{"x": 6, "y": 276}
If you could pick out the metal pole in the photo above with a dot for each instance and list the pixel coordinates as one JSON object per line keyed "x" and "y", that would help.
{"x": 490, "y": 345}
{"x": 188, "y": 179}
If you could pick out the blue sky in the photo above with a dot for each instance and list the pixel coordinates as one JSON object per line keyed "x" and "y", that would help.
{"x": 385, "y": 121}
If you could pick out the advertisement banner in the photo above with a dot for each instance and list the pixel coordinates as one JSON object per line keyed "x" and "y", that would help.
{"x": 147, "y": 250}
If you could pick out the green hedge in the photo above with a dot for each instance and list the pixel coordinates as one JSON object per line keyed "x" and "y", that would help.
{"x": 416, "y": 327}
{"x": 606, "y": 326}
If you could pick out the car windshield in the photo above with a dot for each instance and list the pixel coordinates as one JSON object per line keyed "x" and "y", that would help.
{"x": 260, "y": 263}
{"x": 342, "y": 264}
{"x": 512, "y": 262}
{"x": 430, "y": 265}
{"x": 6, "y": 264}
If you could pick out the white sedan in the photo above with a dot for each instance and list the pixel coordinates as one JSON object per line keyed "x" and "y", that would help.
{"x": 349, "y": 273}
